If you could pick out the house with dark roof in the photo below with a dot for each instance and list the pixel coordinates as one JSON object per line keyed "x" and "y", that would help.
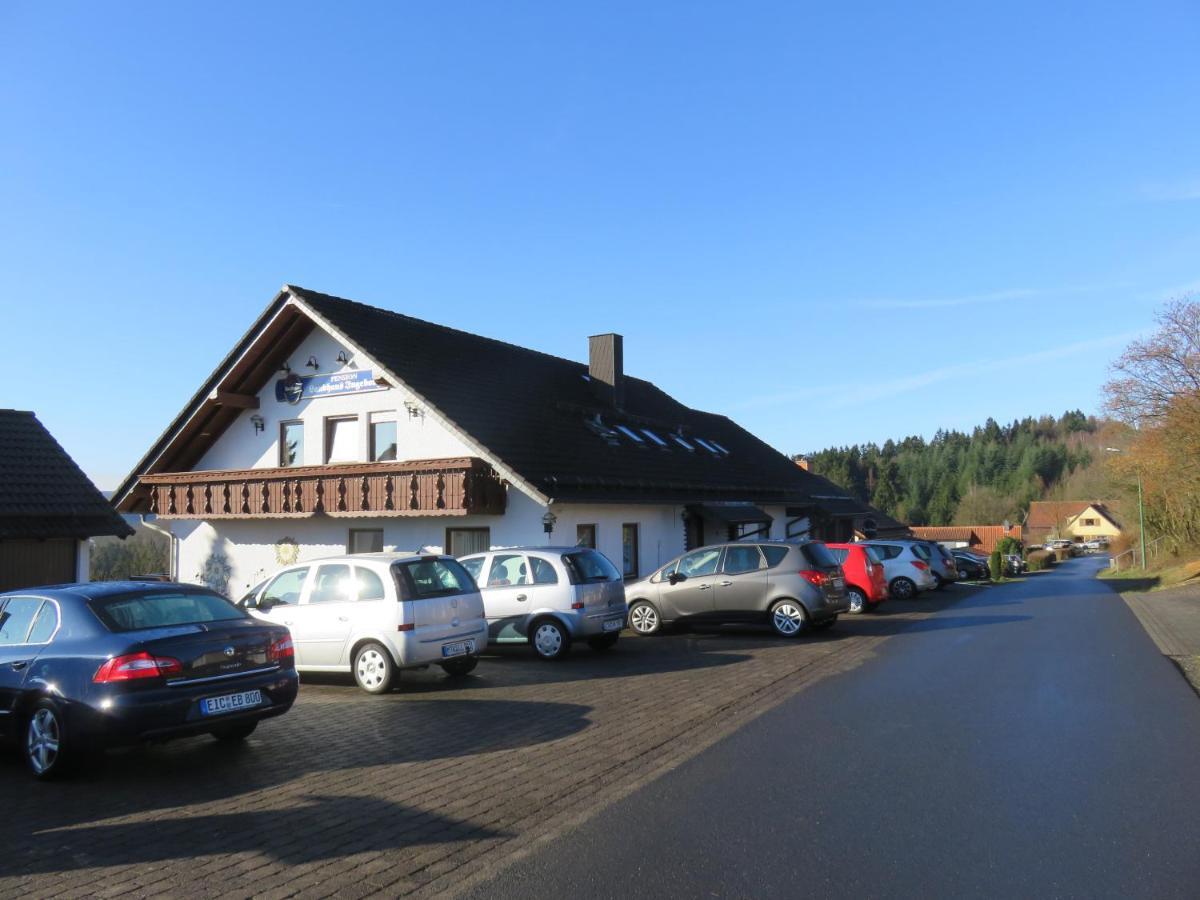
{"x": 48, "y": 508}
{"x": 333, "y": 427}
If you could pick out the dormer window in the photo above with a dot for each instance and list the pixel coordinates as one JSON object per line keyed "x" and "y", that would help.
{"x": 631, "y": 434}
{"x": 724, "y": 452}
{"x": 707, "y": 446}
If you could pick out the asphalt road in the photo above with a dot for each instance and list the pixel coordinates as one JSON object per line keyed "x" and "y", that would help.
{"x": 1030, "y": 741}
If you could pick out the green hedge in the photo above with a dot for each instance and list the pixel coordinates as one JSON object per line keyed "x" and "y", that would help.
{"x": 996, "y": 564}
{"x": 1040, "y": 559}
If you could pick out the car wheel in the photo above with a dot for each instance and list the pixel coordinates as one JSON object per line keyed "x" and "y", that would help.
{"x": 238, "y": 732}
{"x": 788, "y": 618}
{"x": 938, "y": 582}
{"x": 46, "y": 747}
{"x": 603, "y": 641}
{"x": 550, "y": 639}
{"x": 858, "y": 601}
{"x": 374, "y": 669}
{"x": 644, "y": 618}
{"x": 457, "y": 668}
{"x": 903, "y": 588}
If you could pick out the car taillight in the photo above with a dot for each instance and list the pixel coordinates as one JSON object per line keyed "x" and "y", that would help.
{"x": 576, "y": 605}
{"x": 133, "y": 666}
{"x": 281, "y": 649}
{"x": 407, "y": 626}
{"x": 924, "y": 567}
{"x": 814, "y": 576}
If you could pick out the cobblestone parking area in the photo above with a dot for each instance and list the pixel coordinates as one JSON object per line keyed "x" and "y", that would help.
{"x": 424, "y": 791}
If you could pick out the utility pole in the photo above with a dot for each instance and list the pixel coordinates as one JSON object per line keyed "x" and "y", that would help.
{"x": 1141, "y": 507}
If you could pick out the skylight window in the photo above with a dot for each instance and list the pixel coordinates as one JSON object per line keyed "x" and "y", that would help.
{"x": 682, "y": 442}
{"x": 707, "y": 446}
{"x": 654, "y": 437}
{"x": 631, "y": 434}
{"x": 719, "y": 447}
{"x": 596, "y": 425}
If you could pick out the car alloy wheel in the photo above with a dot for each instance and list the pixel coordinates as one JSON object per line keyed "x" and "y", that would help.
{"x": 903, "y": 589}
{"x": 43, "y": 741}
{"x": 858, "y": 600}
{"x": 550, "y": 641}
{"x": 643, "y": 618}
{"x": 373, "y": 669}
{"x": 788, "y": 618}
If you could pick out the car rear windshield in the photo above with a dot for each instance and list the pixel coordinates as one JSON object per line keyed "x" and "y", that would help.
{"x": 873, "y": 554}
{"x": 818, "y": 555}
{"x": 922, "y": 552}
{"x": 134, "y": 612}
{"x": 589, "y": 567}
{"x": 434, "y": 578}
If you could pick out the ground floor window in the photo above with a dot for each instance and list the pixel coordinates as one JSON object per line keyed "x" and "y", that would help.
{"x": 365, "y": 540}
{"x": 463, "y": 541}
{"x": 585, "y": 536}
{"x": 629, "y": 550}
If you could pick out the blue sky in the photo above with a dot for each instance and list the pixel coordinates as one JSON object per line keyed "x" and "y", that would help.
{"x": 835, "y": 223}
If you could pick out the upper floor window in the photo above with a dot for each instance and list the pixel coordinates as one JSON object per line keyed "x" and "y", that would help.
{"x": 291, "y": 443}
{"x": 341, "y": 439}
{"x": 383, "y": 440}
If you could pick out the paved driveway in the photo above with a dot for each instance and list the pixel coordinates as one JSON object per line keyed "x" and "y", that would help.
{"x": 428, "y": 789}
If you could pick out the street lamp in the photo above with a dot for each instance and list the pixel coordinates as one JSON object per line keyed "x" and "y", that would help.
{"x": 1141, "y": 509}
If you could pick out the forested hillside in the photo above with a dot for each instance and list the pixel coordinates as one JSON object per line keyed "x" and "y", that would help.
{"x": 984, "y": 477}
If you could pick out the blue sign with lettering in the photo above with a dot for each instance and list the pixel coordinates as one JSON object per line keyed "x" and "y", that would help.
{"x": 295, "y": 387}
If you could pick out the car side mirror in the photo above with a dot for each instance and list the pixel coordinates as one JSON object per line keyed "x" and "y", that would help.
{"x": 264, "y": 604}
{"x": 676, "y": 577}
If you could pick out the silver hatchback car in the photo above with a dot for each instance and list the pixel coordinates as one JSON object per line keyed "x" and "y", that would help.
{"x": 793, "y": 586}
{"x": 374, "y": 614}
{"x": 549, "y": 597}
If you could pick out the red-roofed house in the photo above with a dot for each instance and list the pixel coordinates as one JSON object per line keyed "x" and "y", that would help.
{"x": 976, "y": 538}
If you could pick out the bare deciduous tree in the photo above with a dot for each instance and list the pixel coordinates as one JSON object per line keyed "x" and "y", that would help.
{"x": 1153, "y": 374}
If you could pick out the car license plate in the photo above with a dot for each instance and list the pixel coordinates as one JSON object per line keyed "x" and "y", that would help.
{"x": 458, "y": 648}
{"x": 214, "y": 706}
{"x": 613, "y": 625}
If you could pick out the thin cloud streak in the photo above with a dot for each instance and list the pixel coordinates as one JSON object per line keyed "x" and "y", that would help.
{"x": 979, "y": 299}
{"x": 1172, "y": 192}
{"x": 848, "y": 395}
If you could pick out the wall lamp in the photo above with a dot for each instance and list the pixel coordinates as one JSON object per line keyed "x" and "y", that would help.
{"x": 285, "y": 369}
{"x": 548, "y": 521}
{"x": 312, "y": 363}
{"x": 343, "y": 358}
{"x": 415, "y": 410}
{"x": 259, "y": 425}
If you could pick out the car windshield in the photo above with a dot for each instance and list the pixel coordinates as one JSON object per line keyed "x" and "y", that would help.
{"x": 818, "y": 555}
{"x": 133, "y": 612}
{"x": 590, "y": 566}
{"x": 921, "y": 552}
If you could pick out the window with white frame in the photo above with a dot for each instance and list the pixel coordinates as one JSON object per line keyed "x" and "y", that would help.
{"x": 341, "y": 439}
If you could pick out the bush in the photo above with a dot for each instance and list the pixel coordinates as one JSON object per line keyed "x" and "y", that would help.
{"x": 1008, "y": 545}
{"x": 1039, "y": 560}
{"x": 996, "y": 565}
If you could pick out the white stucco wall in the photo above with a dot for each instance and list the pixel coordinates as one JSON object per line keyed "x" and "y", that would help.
{"x": 416, "y": 437}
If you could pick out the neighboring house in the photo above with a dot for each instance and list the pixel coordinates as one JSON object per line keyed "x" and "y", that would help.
{"x": 336, "y": 427}
{"x": 1080, "y": 520}
{"x": 48, "y": 508}
{"x": 976, "y": 538}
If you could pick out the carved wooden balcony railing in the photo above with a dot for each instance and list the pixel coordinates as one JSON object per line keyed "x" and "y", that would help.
{"x": 426, "y": 487}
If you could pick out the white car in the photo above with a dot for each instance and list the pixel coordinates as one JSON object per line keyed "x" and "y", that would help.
{"x": 550, "y": 596}
{"x": 374, "y": 614}
{"x": 906, "y": 569}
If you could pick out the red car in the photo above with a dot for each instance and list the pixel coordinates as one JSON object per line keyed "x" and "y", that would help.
{"x": 866, "y": 585}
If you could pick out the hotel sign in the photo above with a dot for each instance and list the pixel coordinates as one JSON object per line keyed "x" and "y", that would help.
{"x": 295, "y": 387}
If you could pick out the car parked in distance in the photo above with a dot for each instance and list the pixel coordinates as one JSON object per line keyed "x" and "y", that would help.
{"x": 90, "y": 666}
{"x": 971, "y": 567}
{"x": 906, "y": 567}
{"x": 549, "y": 597}
{"x": 1096, "y": 544}
{"x": 791, "y": 586}
{"x": 941, "y": 563}
{"x": 866, "y": 586}
{"x": 1060, "y": 544}
{"x": 1014, "y": 563}
{"x": 374, "y": 614}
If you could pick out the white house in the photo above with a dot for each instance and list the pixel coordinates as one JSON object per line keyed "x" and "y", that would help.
{"x": 336, "y": 427}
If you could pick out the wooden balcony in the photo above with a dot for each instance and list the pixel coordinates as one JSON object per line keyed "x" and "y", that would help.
{"x": 426, "y": 487}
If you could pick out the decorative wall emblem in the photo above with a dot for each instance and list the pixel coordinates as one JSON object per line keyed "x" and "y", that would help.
{"x": 287, "y": 551}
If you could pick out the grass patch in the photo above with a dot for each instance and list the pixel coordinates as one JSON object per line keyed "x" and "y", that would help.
{"x": 1154, "y": 578}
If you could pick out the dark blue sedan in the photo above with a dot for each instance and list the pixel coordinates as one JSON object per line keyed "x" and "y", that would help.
{"x": 89, "y": 666}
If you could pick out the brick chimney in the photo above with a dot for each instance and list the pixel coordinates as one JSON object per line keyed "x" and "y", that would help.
{"x": 802, "y": 462}
{"x": 606, "y": 367}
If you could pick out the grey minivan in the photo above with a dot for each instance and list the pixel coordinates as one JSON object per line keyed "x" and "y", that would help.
{"x": 791, "y": 586}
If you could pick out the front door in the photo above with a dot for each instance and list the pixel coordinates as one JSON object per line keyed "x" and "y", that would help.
{"x": 16, "y": 653}
{"x": 508, "y": 596}
{"x": 692, "y": 593}
{"x": 742, "y": 586}
{"x": 326, "y": 615}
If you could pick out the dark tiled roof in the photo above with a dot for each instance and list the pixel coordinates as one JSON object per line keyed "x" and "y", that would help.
{"x": 43, "y": 493}
{"x": 528, "y": 409}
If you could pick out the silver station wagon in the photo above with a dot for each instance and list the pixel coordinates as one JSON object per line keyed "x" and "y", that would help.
{"x": 374, "y": 614}
{"x": 549, "y": 597}
{"x": 792, "y": 586}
